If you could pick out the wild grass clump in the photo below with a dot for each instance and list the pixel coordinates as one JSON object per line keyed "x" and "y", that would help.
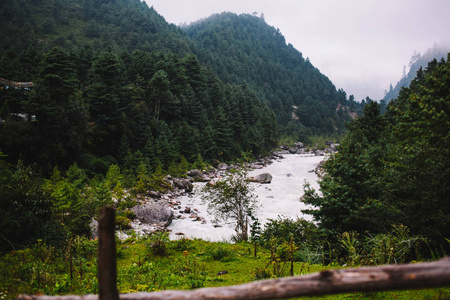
{"x": 262, "y": 273}
{"x": 183, "y": 244}
{"x": 155, "y": 263}
{"x": 158, "y": 244}
{"x": 222, "y": 254}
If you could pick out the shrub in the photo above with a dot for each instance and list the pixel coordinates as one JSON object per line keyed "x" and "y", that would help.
{"x": 195, "y": 282}
{"x": 183, "y": 244}
{"x": 311, "y": 256}
{"x": 261, "y": 273}
{"x": 222, "y": 254}
{"x": 305, "y": 233}
{"x": 158, "y": 243}
{"x": 122, "y": 222}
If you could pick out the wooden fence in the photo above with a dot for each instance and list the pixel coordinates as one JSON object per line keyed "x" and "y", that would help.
{"x": 391, "y": 277}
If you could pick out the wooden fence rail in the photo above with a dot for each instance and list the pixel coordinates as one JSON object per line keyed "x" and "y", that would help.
{"x": 369, "y": 279}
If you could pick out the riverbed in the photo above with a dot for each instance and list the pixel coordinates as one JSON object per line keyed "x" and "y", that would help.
{"x": 279, "y": 198}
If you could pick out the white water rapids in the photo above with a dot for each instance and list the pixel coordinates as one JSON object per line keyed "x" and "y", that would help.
{"x": 279, "y": 198}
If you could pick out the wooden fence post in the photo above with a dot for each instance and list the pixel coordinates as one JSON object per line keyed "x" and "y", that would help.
{"x": 107, "y": 266}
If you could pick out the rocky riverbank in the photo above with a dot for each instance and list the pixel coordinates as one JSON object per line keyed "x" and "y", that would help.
{"x": 157, "y": 211}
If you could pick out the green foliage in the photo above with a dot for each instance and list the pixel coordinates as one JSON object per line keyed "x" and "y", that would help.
{"x": 142, "y": 179}
{"x": 262, "y": 273}
{"x": 34, "y": 266}
{"x": 351, "y": 185}
{"x": 116, "y": 84}
{"x": 194, "y": 282}
{"x": 397, "y": 246}
{"x": 71, "y": 205}
{"x": 25, "y": 208}
{"x": 183, "y": 244}
{"x": 199, "y": 163}
{"x": 349, "y": 243}
{"x": 280, "y": 253}
{"x": 158, "y": 182}
{"x": 255, "y": 232}
{"x": 157, "y": 244}
{"x": 222, "y": 254}
{"x": 305, "y": 234}
{"x": 393, "y": 168}
{"x": 245, "y": 47}
{"x": 123, "y": 222}
{"x": 232, "y": 198}
{"x": 43, "y": 269}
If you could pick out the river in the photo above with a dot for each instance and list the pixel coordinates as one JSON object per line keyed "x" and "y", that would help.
{"x": 279, "y": 198}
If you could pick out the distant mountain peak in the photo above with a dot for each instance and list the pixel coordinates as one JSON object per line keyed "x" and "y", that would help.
{"x": 417, "y": 61}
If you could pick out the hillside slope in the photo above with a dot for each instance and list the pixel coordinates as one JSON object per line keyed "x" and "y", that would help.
{"x": 245, "y": 48}
{"x": 128, "y": 72}
{"x": 115, "y": 83}
{"x": 417, "y": 61}
{"x": 124, "y": 25}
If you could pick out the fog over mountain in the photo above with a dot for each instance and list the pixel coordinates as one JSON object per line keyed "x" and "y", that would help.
{"x": 438, "y": 51}
{"x": 360, "y": 45}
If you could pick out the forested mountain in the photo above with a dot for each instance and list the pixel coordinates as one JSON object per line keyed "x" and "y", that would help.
{"x": 417, "y": 61}
{"x": 90, "y": 86}
{"x": 109, "y": 50}
{"x": 393, "y": 169}
{"x": 245, "y": 48}
{"x": 111, "y": 88}
{"x": 101, "y": 100}
{"x": 115, "y": 83}
{"x": 124, "y": 25}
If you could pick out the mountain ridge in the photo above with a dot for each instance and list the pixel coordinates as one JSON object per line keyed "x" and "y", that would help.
{"x": 242, "y": 94}
{"x": 253, "y": 50}
{"x": 416, "y": 62}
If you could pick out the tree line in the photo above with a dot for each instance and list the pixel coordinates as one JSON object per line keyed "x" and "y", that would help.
{"x": 392, "y": 169}
{"x": 146, "y": 113}
{"x": 244, "y": 46}
{"x": 237, "y": 48}
{"x": 98, "y": 108}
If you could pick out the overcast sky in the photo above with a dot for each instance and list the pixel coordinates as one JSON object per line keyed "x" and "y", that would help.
{"x": 361, "y": 45}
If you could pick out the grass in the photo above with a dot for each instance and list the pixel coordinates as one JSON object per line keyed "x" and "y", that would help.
{"x": 187, "y": 264}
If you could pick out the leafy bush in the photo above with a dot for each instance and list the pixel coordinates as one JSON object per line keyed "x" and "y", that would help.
{"x": 122, "y": 222}
{"x": 305, "y": 233}
{"x": 311, "y": 256}
{"x": 398, "y": 246}
{"x": 350, "y": 243}
{"x": 182, "y": 244}
{"x": 28, "y": 271}
{"x": 157, "y": 243}
{"x": 221, "y": 254}
{"x": 232, "y": 198}
{"x": 195, "y": 282}
{"x": 262, "y": 273}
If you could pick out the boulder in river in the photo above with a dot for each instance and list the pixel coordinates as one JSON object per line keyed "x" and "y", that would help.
{"x": 293, "y": 150}
{"x": 299, "y": 145}
{"x": 334, "y": 146}
{"x": 198, "y": 175}
{"x": 154, "y": 194}
{"x": 257, "y": 165}
{"x": 195, "y": 173}
{"x": 153, "y": 213}
{"x": 319, "y": 153}
{"x": 184, "y": 184}
{"x": 223, "y": 167}
{"x": 262, "y": 178}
